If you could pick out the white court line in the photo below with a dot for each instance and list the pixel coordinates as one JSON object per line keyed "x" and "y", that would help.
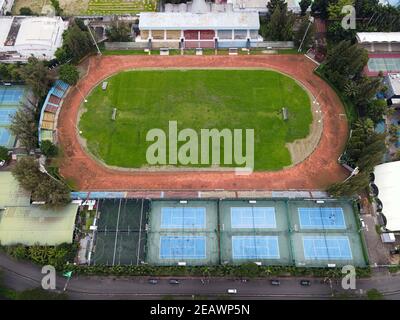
{"x": 116, "y": 232}
{"x": 140, "y": 232}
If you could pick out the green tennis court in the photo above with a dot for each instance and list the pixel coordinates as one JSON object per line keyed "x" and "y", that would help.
{"x": 120, "y": 237}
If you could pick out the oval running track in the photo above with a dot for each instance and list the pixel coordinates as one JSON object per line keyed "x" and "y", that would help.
{"x": 316, "y": 172}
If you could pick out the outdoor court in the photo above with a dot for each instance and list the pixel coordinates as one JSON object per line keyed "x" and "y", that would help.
{"x": 181, "y": 232}
{"x": 210, "y": 232}
{"x": 120, "y": 237}
{"x": 10, "y": 98}
{"x": 89, "y": 174}
{"x": 290, "y": 232}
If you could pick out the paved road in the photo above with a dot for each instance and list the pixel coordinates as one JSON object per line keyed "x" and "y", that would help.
{"x": 24, "y": 275}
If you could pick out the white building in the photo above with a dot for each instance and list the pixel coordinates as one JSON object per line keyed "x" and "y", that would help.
{"x": 5, "y": 6}
{"x": 22, "y": 37}
{"x": 199, "y": 24}
{"x": 387, "y": 179}
{"x": 261, "y": 5}
{"x": 379, "y": 42}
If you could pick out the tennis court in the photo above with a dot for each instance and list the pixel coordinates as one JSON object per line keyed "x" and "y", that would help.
{"x": 11, "y": 95}
{"x": 120, "y": 237}
{"x": 255, "y": 247}
{"x": 252, "y": 217}
{"x": 183, "y": 218}
{"x": 384, "y": 64}
{"x": 254, "y": 232}
{"x": 321, "y": 218}
{"x": 10, "y": 100}
{"x": 182, "y": 247}
{"x": 182, "y": 232}
{"x": 329, "y": 247}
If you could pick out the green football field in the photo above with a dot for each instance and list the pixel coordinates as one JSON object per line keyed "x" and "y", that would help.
{"x": 196, "y": 99}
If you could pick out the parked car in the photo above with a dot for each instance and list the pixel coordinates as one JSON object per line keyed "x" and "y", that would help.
{"x": 232, "y": 291}
{"x": 305, "y": 283}
{"x": 173, "y": 281}
{"x": 275, "y": 282}
{"x": 362, "y": 223}
{"x": 395, "y": 251}
{"x": 153, "y": 281}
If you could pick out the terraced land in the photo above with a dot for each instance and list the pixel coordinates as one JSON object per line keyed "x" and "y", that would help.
{"x": 120, "y": 7}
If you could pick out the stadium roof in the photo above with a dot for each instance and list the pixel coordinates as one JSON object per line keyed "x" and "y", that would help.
{"x": 28, "y": 224}
{"x": 387, "y": 179}
{"x": 194, "y": 21}
{"x": 369, "y": 37}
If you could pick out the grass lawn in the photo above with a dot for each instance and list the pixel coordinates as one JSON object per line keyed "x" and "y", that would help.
{"x": 197, "y": 99}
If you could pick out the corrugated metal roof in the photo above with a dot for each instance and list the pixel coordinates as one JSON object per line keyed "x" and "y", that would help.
{"x": 202, "y": 21}
{"x": 378, "y": 37}
{"x": 21, "y": 222}
{"x": 11, "y": 194}
{"x": 35, "y": 225}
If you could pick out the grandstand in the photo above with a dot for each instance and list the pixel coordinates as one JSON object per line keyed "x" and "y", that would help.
{"x": 50, "y": 109}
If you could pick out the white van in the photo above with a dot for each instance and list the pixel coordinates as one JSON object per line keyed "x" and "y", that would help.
{"x": 232, "y": 291}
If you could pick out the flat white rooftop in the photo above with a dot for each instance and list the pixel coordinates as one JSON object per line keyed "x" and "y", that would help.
{"x": 198, "y": 21}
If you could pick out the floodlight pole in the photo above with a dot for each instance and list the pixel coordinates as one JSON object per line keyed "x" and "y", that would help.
{"x": 43, "y": 170}
{"x": 86, "y": 22}
{"x": 80, "y": 92}
{"x": 311, "y": 20}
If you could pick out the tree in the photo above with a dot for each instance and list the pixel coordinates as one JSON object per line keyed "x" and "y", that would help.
{"x": 4, "y": 154}
{"x": 69, "y": 74}
{"x": 273, "y": 4}
{"x": 57, "y": 7}
{"x": 376, "y": 109}
{"x": 26, "y": 11}
{"x": 304, "y": 5}
{"x": 36, "y": 75}
{"x": 48, "y": 148}
{"x": 119, "y": 31}
{"x": 344, "y": 62}
{"x": 320, "y": 8}
{"x": 280, "y": 26}
{"x": 301, "y": 32}
{"x": 335, "y": 9}
{"x": 43, "y": 188}
{"x": 77, "y": 43}
{"x": 24, "y": 127}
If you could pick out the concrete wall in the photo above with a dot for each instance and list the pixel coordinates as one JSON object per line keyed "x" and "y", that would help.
{"x": 125, "y": 45}
{"x": 273, "y": 44}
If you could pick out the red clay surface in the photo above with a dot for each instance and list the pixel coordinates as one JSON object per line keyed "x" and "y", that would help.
{"x": 318, "y": 171}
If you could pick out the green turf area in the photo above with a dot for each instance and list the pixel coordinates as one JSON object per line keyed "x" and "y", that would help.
{"x": 120, "y": 6}
{"x": 197, "y": 99}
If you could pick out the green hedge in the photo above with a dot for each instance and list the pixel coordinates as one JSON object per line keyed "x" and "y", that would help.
{"x": 249, "y": 270}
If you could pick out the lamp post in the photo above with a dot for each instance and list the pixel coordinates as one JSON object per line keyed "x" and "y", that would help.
{"x": 311, "y": 20}
{"x": 80, "y": 92}
{"x": 86, "y": 22}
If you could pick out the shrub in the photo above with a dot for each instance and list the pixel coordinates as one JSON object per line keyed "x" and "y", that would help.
{"x": 48, "y": 148}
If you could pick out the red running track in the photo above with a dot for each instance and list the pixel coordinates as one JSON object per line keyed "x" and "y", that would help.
{"x": 318, "y": 171}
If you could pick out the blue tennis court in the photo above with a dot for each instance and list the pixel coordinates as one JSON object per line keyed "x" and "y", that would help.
{"x": 182, "y": 247}
{"x": 183, "y": 218}
{"x": 6, "y": 114}
{"x": 253, "y": 217}
{"x": 10, "y": 95}
{"x": 5, "y": 138}
{"x": 255, "y": 247}
{"x": 327, "y": 248}
{"x": 321, "y": 218}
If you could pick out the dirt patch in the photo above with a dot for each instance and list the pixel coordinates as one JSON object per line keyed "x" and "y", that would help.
{"x": 319, "y": 170}
{"x": 70, "y": 7}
